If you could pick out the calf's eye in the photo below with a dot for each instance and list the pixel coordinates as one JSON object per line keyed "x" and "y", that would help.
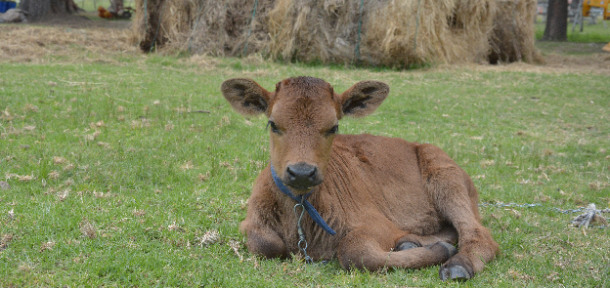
{"x": 333, "y": 130}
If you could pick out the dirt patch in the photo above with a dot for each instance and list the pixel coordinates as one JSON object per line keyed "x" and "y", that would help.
{"x": 84, "y": 20}
{"x": 62, "y": 38}
{"x": 567, "y": 57}
{"x": 559, "y": 57}
{"x": 554, "y": 63}
{"x": 592, "y": 63}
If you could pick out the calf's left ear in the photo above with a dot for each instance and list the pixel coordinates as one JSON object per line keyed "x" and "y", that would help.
{"x": 363, "y": 98}
{"x": 245, "y": 96}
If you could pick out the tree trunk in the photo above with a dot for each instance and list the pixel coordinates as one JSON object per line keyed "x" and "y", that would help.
{"x": 40, "y": 9}
{"x": 556, "y": 21}
{"x": 153, "y": 37}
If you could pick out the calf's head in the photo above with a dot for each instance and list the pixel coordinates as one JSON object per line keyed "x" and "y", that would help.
{"x": 303, "y": 117}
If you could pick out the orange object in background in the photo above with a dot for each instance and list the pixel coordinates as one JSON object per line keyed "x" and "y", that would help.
{"x": 607, "y": 49}
{"x": 103, "y": 13}
{"x": 587, "y": 4}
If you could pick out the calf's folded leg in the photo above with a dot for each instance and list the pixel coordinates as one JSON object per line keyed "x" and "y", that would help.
{"x": 447, "y": 234}
{"x": 360, "y": 250}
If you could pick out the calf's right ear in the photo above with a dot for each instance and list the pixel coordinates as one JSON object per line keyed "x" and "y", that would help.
{"x": 245, "y": 96}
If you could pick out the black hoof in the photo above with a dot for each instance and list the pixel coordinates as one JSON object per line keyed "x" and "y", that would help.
{"x": 451, "y": 250}
{"x": 454, "y": 272}
{"x": 407, "y": 245}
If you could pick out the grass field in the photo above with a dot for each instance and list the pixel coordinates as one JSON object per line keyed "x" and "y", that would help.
{"x": 122, "y": 171}
{"x": 595, "y": 33}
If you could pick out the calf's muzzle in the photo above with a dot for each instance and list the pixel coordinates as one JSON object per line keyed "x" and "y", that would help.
{"x": 302, "y": 176}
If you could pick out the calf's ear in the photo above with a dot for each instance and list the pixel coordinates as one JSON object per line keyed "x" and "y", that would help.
{"x": 245, "y": 96}
{"x": 363, "y": 98}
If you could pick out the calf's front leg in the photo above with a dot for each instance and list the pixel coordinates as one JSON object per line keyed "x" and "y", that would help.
{"x": 264, "y": 241}
{"x": 457, "y": 199}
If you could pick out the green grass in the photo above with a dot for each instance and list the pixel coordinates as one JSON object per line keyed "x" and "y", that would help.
{"x": 591, "y": 33}
{"x": 90, "y": 5}
{"x": 121, "y": 147}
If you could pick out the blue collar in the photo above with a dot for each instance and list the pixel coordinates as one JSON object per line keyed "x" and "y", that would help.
{"x": 313, "y": 213}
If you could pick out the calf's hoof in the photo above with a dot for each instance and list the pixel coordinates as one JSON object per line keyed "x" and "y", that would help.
{"x": 407, "y": 245}
{"x": 450, "y": 250}
{"x": 455, "y": 272}
{"x": 457, "y": 268}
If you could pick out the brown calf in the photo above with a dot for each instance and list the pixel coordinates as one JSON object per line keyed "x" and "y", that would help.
{"x": 391, "y": 202}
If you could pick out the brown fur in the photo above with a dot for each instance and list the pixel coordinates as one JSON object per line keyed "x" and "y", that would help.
{"x": 376, "y": 193}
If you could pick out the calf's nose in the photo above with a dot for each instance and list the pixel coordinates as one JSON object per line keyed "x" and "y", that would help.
{"x": 302, "y": 175}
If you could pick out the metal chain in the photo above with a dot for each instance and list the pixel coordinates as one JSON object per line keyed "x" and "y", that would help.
{"x": 500, "y": 204}
{"x": 302, "y": 244}
{"x": 529, "y": 205}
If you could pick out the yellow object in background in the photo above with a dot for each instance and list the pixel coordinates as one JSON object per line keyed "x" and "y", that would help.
{"x": 607, "y": 49}
{"x": 587, "y": 4}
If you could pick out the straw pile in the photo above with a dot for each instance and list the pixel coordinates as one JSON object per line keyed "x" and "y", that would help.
{"x": 200, "y": 26}
{"x": 389, "y": 33}
{"x": 404, "y": 33}
{"x": 158, "y": 21}
{"x": 512, "y": 38}
{"x": 374, "y": 32}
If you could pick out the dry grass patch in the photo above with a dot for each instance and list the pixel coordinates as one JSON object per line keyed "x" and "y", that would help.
{"x": 47, "y": 246}
{"x": 210, "y": 237}
{"x": 59, "y": 160}
{"x": 24, "y": 43}
{"x": 88, "y": 229}
{"x": 5, "y": 240}
{"x": 553, "y": 64}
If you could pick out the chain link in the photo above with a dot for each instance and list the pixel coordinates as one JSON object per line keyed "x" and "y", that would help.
{"x": 530, "y": 205}
{"x": 302, "y": 244}
{"x": 500, "y": 204}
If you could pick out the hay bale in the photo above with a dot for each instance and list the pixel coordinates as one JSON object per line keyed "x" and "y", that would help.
{"x": 237, "y": 27}
{"x": 202, "y": 27}
{"x": 373, "y": 32}
{"x": 416, "y": 32}
{"x": 386, "y": 32}
{"x": 513, "y": 36}
{"x": 159, "y": 21}
{"x": 309, "y": 30}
